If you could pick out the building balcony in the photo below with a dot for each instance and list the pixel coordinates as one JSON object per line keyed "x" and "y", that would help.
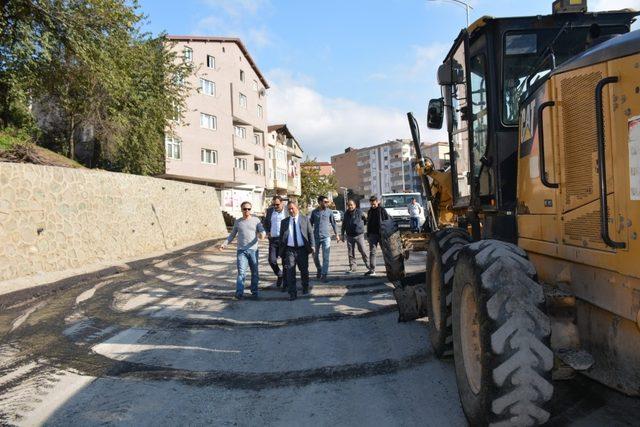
{"x": 249, "y": 177}
{"x": 280, "y": 185}
{"x": 247, "y": 146}
{"x": 294, "y": 189}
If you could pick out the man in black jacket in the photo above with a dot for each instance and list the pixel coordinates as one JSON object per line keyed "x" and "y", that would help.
{"x": 272, "y": 220}
{"x": 353, "y": 226}
{"x": 375, "y": 216}
{"x": 296, "y": 243}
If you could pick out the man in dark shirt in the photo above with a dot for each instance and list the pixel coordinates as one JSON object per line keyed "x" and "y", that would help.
{"x": 353, "y": 226}
{"x": 375, "y": 216}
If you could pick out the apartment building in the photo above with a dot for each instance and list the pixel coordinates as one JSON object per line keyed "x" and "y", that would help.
{"x": 387, "y": 168}
{"x": 438, "y": 152}
{"x": 347, "y": 171}
{"x": 221, "y": 139}
{"x": 284, "y": 155}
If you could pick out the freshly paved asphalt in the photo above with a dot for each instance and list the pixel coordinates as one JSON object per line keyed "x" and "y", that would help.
{"x": 166, "y": 344}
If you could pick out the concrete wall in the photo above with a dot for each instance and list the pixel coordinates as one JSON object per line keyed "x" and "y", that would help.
{"x": 54, "y": 219}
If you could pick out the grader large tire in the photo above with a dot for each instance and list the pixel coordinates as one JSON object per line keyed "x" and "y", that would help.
{"x": 444, "y": 247}
{"x": 500, "y": 337}
{"x": 392, "y": 250}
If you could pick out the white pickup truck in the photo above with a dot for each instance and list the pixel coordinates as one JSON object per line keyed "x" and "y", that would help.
{"x": 396, "y": 206}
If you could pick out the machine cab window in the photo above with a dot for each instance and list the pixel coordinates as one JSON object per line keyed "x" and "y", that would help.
{"x": 455, "y": 96}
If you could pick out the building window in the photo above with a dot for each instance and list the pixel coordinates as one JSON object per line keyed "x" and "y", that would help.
{"x": 281, "y": 175}
{"x": 260, "y": 111}
{"x": 208, "y": 87}
{"x": 270, "y": 153}
{"x": 241, "y": 75}
{"x": 211, "y": 62}
{"x": 208, "y": 121}
{"x": 240, "y": 163}
{"x": 281, "y": 155}
{"x": 240, "y": 132}
{"x": 259, "y": 168}
{"x": 209, "y": 156}
{"x": 243, "y": 101}
{"x": 255, "y": 85}
{"x": 256, "y": 139}
{"x": 187, "y": 54}
{"x": 172, "y": 146}
{"x": 177, "y": 113}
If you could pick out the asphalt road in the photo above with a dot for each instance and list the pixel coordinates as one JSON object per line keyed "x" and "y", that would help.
{"x": 166, "y": 344}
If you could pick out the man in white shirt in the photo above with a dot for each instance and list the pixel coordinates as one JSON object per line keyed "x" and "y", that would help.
{"x": 296, "y": 243}
{"x": 414, "y": 215}
{"x": 274, "y": 216}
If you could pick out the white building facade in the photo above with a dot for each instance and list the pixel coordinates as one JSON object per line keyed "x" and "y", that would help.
{"x": 221, "y": 139}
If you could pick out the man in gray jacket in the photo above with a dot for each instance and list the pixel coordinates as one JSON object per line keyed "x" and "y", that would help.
{"x": 296, "y": 243}
{"x": 323, "y": 221}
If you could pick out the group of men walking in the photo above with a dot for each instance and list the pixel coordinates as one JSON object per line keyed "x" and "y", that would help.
{"x": 293, "y": 236}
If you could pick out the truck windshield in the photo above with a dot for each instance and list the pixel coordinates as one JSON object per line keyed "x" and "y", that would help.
{"x": 399, "y": 200}
{"x": 522, "y": 50}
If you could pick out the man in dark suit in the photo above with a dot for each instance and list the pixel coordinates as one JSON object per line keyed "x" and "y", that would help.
{"x": 296, "y": 243}
{"x": 272, "y": 220}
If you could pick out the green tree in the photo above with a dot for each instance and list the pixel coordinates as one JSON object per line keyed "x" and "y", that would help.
{"x": 87, "y": 65}
{"x": 313, "y": 184}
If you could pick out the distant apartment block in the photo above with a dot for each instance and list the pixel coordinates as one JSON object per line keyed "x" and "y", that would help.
{"x": 221, "y": 139}
{"x": 347, "y": 172}
{"x": 283, "y": 162}
{"x": 438, "y": 152}
{"x": 384, "y": 168}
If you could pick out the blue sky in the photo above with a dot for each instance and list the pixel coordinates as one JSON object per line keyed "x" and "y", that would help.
{"x": 343, "y": 73}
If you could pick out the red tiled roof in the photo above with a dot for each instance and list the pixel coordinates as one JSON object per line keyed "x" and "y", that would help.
{"x": 235, "y": 40}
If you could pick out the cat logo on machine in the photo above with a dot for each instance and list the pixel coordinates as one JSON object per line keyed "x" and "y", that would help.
{"x": 527, "y": 126}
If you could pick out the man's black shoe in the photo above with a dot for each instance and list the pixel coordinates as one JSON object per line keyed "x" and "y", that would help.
{"x": 324, "y": 279}
{"x": 237, "y": 297}
{"x": 318, "y": 275}
{"x": 279, "y": 282}
{"x": 292, "y": 297}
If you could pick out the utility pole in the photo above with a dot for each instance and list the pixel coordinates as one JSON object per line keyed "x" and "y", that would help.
{"x": 345, "y": 194}
{"x": 460, "y": 3}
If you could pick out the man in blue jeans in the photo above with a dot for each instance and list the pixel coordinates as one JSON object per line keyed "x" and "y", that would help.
{"x": 249, "y": 229}
{"x": 415, "y": 210}
{"x": 321, "y": 219}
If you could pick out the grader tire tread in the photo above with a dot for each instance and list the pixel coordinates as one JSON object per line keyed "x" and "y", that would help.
{"x": 450, "y": 242}
{"x": 521, "y": 359}
{"x": 392, "y": 251}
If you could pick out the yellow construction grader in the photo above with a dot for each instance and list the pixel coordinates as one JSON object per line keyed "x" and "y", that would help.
{"x": 533, "y": 261}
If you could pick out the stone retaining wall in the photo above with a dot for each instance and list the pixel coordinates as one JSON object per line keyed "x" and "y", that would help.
{"x": 54, "y": 219}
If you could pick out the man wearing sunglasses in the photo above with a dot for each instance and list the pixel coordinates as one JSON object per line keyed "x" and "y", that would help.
{"x": 249, "y": 229}
{"x": 274, "y": 216}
